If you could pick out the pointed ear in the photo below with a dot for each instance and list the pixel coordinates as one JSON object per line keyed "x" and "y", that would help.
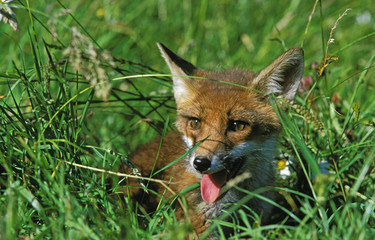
{"x": 283, "y": 76}
{"x": 180, "y": 70}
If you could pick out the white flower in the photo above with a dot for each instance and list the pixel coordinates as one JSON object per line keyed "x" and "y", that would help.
{"x": 363, "y": 18}
{"x": 7, "y": 15}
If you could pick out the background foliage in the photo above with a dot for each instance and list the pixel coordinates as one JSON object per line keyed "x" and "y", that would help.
{"x": 70, "y": 93}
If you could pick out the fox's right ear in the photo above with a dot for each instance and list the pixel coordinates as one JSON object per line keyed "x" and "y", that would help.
{"x": 283, "y": 76}
{"x": 180, "y": 70}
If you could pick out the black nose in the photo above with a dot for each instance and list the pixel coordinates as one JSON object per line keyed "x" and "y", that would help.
{"x": 202, "y": 164}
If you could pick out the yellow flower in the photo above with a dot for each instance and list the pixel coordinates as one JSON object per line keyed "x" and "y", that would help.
{"x": 100, "y": 12}
{"x": 281, "y": 164}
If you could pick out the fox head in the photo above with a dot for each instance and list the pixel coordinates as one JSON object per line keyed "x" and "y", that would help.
{"x": 229, "y": 114}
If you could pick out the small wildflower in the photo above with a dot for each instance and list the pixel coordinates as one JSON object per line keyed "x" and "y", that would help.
{"x": 284, "y": 172}
{"x": 324, "y": 168}
{"x": 284, "y": 165}
{"x": 314, "y": 65}
{"x": 281, "y": 164}
{"x": 100, "y": 12}
{"x": 7, "y": 15}
{"x": 363, "y": 18}
{"x": 306, "y": 84}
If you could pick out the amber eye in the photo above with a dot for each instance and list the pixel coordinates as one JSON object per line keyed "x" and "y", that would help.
{"x": 194, "y": 123}
{"x": 236, "y": 126}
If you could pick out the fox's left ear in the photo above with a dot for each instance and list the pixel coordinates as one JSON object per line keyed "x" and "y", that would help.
{"x": 283, "y": 76}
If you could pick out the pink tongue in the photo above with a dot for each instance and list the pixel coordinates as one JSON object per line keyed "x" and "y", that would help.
{"x": 211, "y": 185}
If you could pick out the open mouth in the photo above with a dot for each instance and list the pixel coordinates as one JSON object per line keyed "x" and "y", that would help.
{"x": 211, "y": 184}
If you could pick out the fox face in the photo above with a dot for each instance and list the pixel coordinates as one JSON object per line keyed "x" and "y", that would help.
{"x": 227, "y": 119}
{"x": 224, "y": 120}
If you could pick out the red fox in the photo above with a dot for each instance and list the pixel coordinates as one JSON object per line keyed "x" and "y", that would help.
{"x": 226, "y": 123}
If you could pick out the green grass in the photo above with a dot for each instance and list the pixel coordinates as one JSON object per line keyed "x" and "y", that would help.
{"x": 71, "y": 99}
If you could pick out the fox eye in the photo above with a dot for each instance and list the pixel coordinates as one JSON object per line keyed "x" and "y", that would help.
{"x": 237, "y": 126}
{"x": 194, "y": 123}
